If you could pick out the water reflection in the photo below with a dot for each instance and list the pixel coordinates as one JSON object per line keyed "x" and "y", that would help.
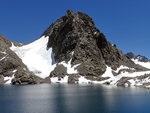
{"x": 75, "y": 98}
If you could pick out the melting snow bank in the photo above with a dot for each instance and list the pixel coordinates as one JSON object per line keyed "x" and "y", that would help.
{"x": 37, "y": 57}
{"x": 59, "y": 80}
{"x": 81, "y": 80}
{"x": 8, "y": 79}
{"x": 70, "y": 70}
{"x": 124, "y": 78}
{"x": 113, "y": 80}
{"x": 144, "y": 64}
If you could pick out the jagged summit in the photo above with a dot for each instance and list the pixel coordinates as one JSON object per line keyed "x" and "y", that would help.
{"x": 76, "y": 33}
{"x": 70, "y": 18}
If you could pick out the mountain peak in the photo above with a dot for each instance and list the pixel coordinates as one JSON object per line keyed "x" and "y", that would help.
{"x": 75, "y": 39}
{"x": 70, "y": 13}
{"x": 71, "y": 50}
{"x": 137, "y": 57}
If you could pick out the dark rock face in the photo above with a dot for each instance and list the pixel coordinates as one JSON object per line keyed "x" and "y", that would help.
{"x": 74, "y": 37}
{"x": 60, "y": 71}
{"x": 72, "y": 79}
{"x": 123, "y": 81}
{"x": 130, "y": 55}
{"x": 11, "y": 64}
{"x": 140, "y": 58}
{"x": 1, "y": 79}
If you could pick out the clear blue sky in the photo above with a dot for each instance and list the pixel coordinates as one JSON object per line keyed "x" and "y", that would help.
{"x": 124, "y": 22}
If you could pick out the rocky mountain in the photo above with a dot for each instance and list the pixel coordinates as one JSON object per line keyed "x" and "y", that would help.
{"x": 139, "y": 58}
{"x": 71, "y": 50}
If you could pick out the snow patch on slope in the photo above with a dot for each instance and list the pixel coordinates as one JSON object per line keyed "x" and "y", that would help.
{"x": 108, "y": 72}
{"x": 3, "y": 52}
{"x": 37, "y": 57}
{"x": 83, "y": 80}
{"x": 2, "y": 58}
{"x": 70, "y": 69}
{"x": 144, "y": 64}
{"x": 113, "y": 79}
{"x": 9, "y": 79}
{"x": 122, "y": 67}
{"x": 137, "y": 82}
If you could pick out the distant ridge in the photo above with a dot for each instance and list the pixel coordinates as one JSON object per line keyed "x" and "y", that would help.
{"x": 137, "y": 57}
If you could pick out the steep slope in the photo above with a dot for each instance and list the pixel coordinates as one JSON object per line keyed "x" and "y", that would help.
{"x": 37, "y": 57}
{"x": 12, "y": 69}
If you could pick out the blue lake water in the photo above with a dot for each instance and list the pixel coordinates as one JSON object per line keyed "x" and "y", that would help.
{"x": 46, "y": 98}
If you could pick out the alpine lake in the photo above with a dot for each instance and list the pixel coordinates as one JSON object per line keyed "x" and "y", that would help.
{"x": 73, "y": 98}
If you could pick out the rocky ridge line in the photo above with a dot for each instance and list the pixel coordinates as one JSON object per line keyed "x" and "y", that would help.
{"x": 74, "y": 37}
